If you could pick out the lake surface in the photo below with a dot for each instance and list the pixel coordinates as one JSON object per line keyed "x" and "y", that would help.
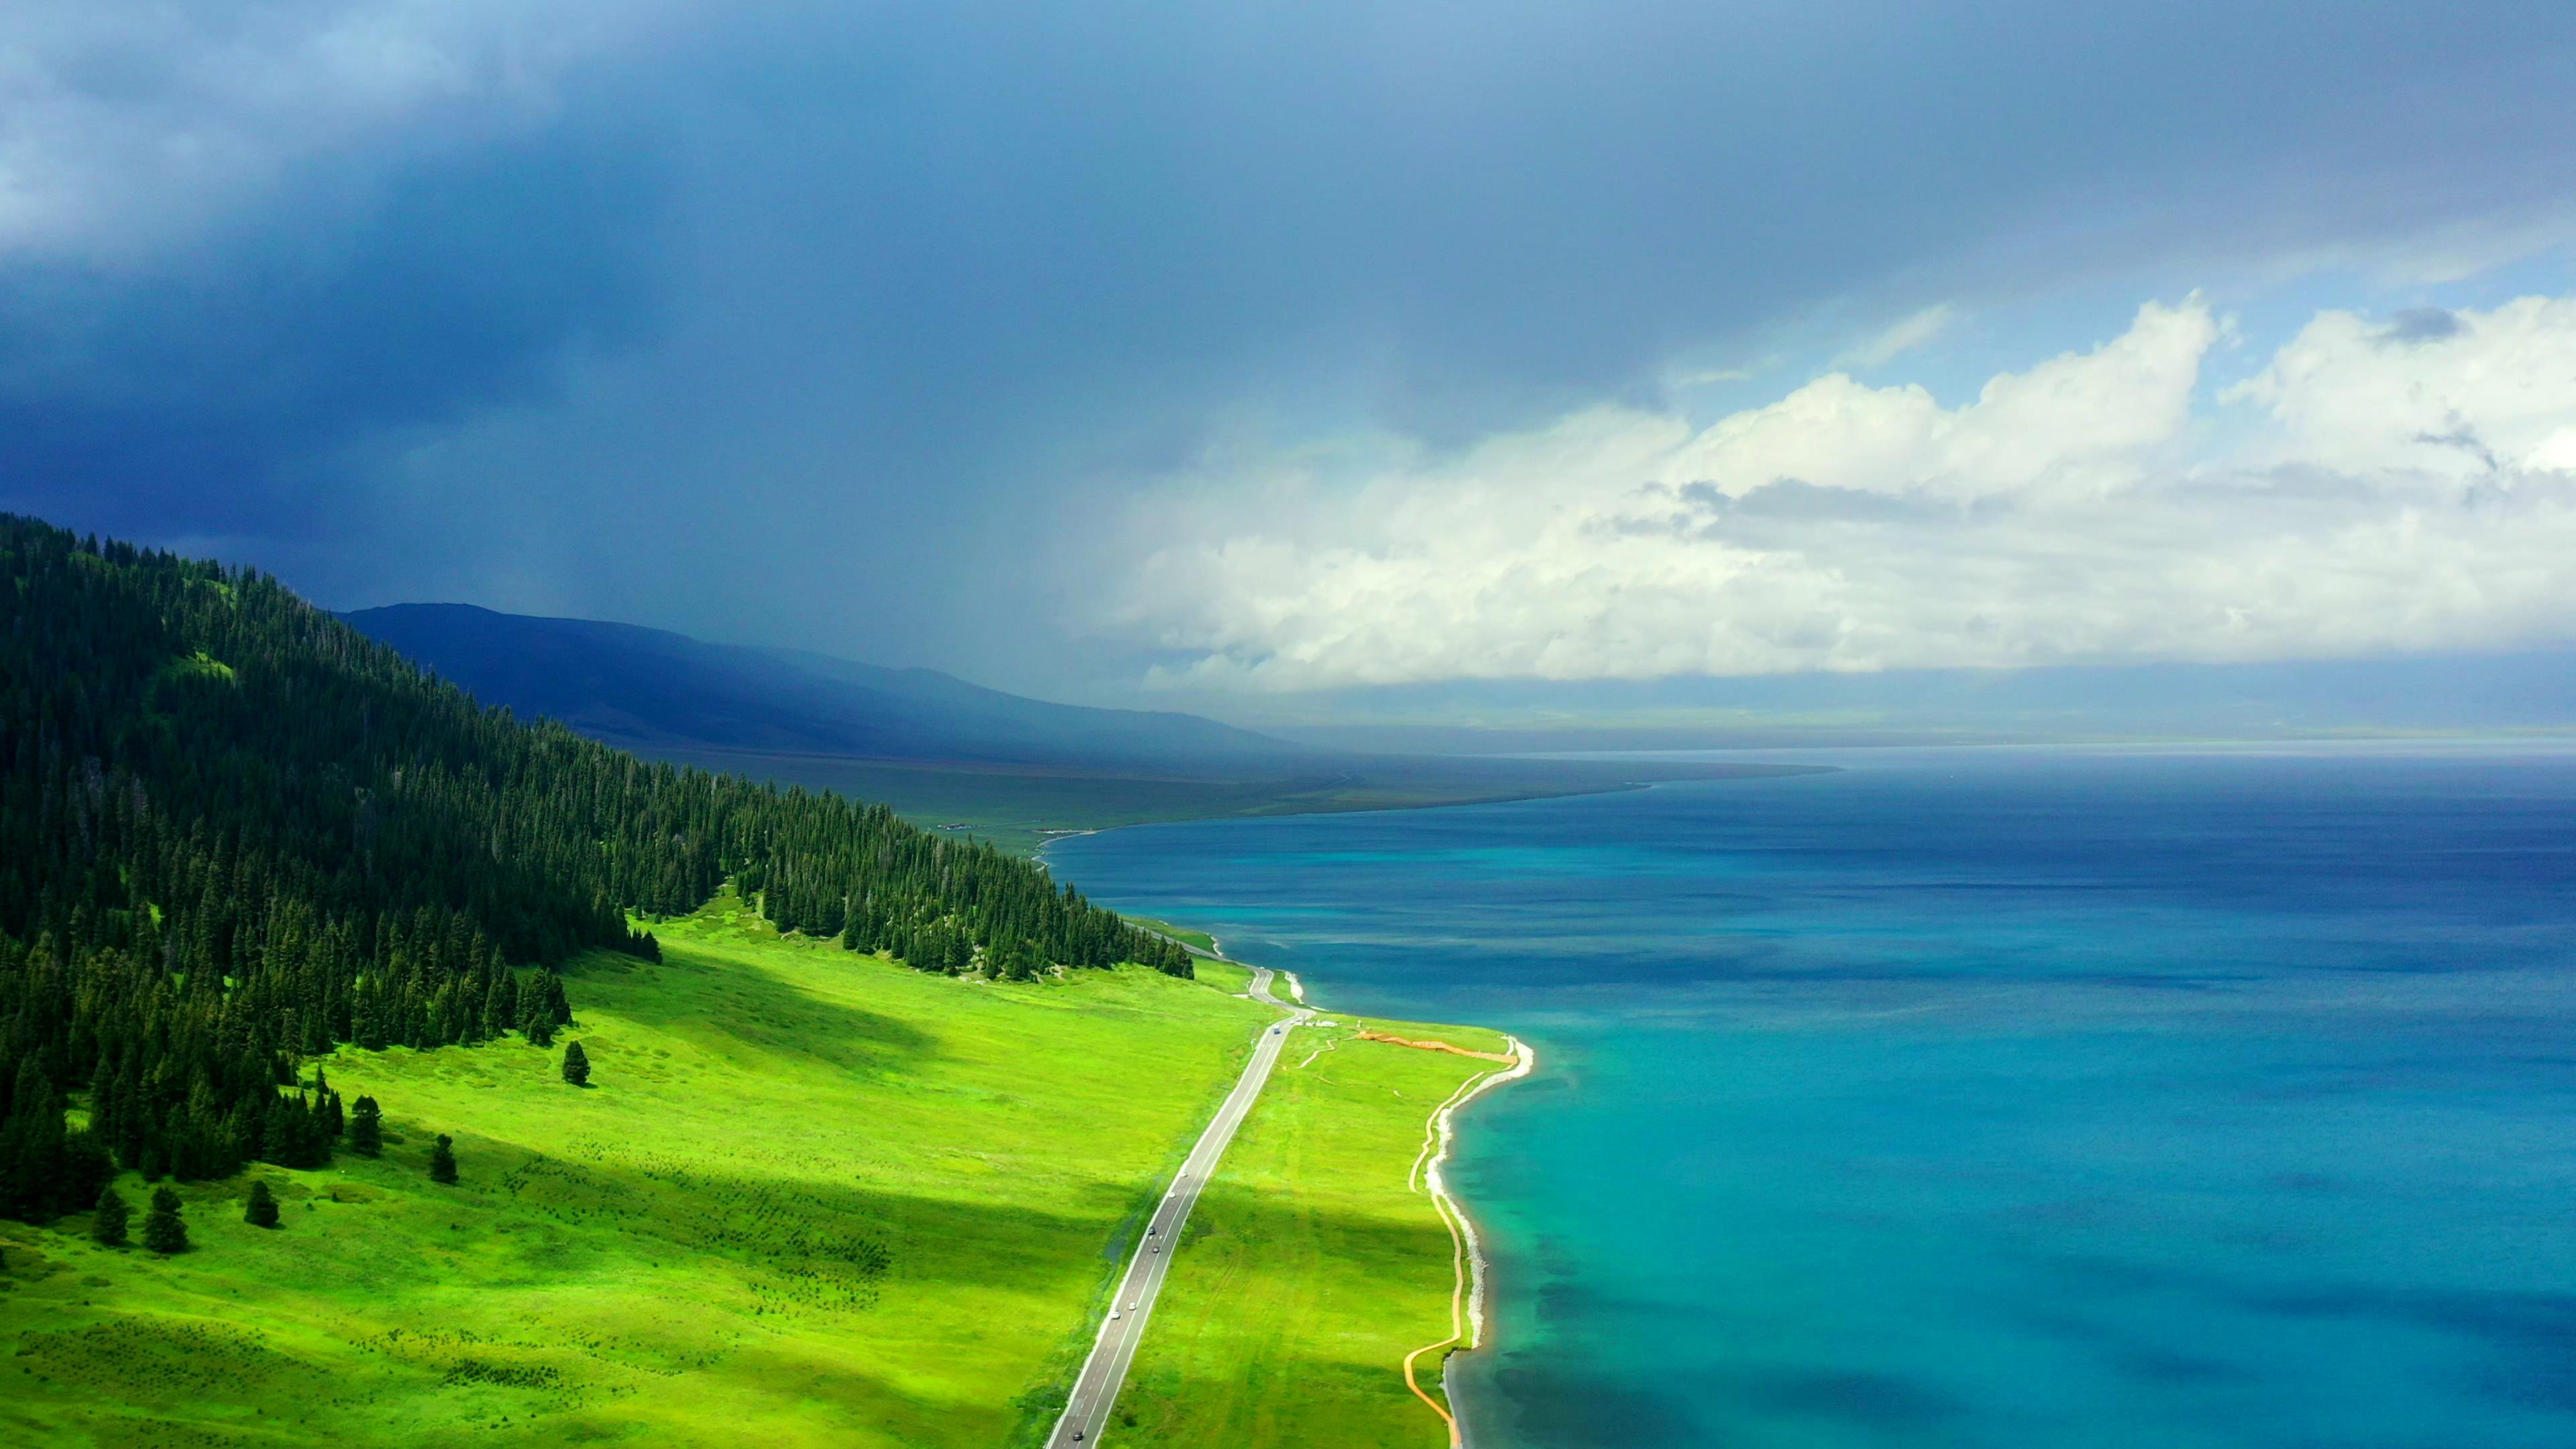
{"x": 1982, "y": 1098}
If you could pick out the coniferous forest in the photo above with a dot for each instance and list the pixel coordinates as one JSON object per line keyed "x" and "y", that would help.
{"x": 234, "y": 834}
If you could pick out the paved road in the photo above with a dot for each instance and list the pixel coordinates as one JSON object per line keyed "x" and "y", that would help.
{"x": 1095, "y": 1393}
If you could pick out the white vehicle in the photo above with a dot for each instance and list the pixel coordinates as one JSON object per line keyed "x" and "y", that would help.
{"x": 1113, "y": 1315}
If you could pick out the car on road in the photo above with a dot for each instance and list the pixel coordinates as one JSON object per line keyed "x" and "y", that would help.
{"x": 1113, "y": 1315}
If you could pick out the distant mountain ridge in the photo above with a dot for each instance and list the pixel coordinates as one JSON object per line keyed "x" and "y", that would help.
{"x": 652, "y": 689}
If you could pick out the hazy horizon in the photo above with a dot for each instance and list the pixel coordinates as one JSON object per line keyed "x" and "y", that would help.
{"x": 2439, "y": 694}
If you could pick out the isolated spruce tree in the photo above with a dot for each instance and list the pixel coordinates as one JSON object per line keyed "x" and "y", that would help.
{"x": 107, "y": 1221}
{"x": 576, "y": 1066}
{"x": 261, "y": 1210}
{"x": 366, "y": 1127}
{"x": 163, "y": 1232}
{"x": 442, "y": 1159}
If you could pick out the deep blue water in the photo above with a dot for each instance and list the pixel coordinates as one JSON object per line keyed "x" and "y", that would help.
{"x": 1983, "y": 1098}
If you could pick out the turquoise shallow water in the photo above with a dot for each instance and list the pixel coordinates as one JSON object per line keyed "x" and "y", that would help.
{"x": 1983, "y": 1098}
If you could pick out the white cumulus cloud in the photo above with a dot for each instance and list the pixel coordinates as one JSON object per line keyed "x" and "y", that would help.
{"x": 2405, "y": 485}
{"x": 2449, "y": 394}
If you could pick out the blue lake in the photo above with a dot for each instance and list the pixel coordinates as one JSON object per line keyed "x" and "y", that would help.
{"x": 1982, "y": 1098}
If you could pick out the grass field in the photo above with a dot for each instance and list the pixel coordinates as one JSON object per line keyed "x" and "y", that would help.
{"x": 1186, "y": 935}
{"x": 1231, "y": 977}
{"x": 1310, "y": 1269}
{"x": 809, "y": 1198}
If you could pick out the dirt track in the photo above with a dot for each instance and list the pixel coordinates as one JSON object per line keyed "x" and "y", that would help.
{"x": 1435, "y": 1046}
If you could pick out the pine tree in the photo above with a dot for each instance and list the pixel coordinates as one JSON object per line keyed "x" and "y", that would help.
{"x": 366, "y": 1127}
{"x": 442, "y": 1159}
{"x": 108, "y": 1220}
{"x": 576, "y": 1066}
{"x": 163, "y": 1232}
{"x": 261, "y": 1210}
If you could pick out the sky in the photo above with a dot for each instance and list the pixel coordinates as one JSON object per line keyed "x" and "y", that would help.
{"x": 1229, "y": 357}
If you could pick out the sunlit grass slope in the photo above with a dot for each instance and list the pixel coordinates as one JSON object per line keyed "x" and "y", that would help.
{"x": 1186, "y": 935}
{"x": 1226, "y": 976}
{"x": 809, "y": 1198}
{"x": 1310, "y": 1269}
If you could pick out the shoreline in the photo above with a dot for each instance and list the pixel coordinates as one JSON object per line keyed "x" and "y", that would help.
{"x": 1468, "y": 1266}
{"x": 1716, "y": 772}
{"x": 1525, "y": 1061}
{"x": 1467, "y": 1250}
{"x": 1470, "y": 1270}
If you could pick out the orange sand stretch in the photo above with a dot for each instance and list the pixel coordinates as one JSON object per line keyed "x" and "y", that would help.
{"x": 1433, "y": 1046}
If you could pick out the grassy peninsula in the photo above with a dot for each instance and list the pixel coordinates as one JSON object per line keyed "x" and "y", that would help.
{"x": 1315, "y": 1263}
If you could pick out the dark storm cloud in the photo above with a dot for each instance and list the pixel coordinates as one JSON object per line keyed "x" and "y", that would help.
{"x": 872, "y": 295}
{"x": 1530, "y": 210}
{"x": 184, "y": 399}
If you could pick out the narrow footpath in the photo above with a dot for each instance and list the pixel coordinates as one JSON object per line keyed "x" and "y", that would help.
{"x": 1095, "y": 1390}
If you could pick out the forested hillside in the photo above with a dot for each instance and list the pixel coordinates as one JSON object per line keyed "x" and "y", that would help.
{"x": 234, "y": 831}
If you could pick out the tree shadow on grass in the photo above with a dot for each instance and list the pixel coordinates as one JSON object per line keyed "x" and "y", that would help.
{"x": 929, "y": 1236}
{"x": 159, "y": 1378}
{"x": 1305, "y": 1389}
{"x": 734, "y": 1261}
{"x": 1287, "y": 1401}
{"x": 737, "y": 1010}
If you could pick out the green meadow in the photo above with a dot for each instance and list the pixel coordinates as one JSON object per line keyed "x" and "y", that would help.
{"x": 1230, "y": 977}
{"x": 1186, "y": 935}
{"x": 1310, "y": 1268}
{"x": 808, "y": 1198}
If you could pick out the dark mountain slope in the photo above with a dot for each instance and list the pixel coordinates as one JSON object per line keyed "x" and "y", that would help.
{"x": 656, "y": 690}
